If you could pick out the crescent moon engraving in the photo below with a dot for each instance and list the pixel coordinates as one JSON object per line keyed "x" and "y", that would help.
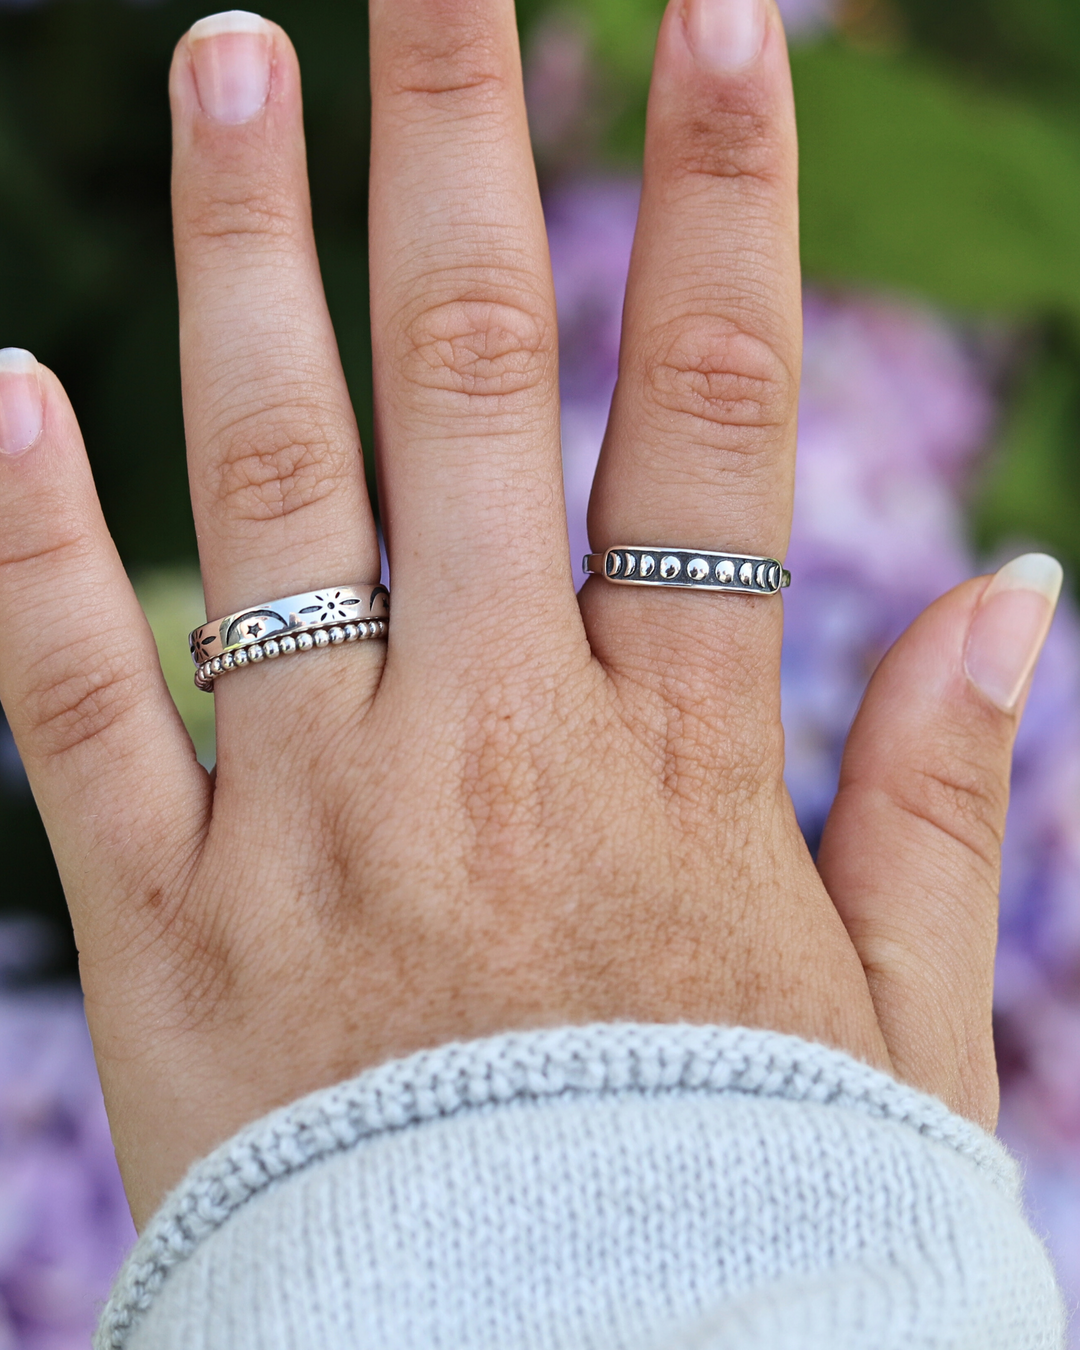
{"x": 253, "y": 625}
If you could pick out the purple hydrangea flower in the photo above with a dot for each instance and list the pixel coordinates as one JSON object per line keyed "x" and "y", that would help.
{"x": 590, "y": 233}
{"x": 64, "y": 1220}
{"x": 892, "y": 412}
{"x": 804, "y": 18}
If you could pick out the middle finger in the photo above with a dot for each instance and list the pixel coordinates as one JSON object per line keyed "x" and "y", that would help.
{"x": 463, "y": 332}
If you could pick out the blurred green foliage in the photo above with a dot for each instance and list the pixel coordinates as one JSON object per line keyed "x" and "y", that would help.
{"x": 940, "y": 158}
{"x": 1028, "y": 47}
{"x": 173, "y": 601}
{"x": 911, "y": 182}
{"x": 86, "y": 273}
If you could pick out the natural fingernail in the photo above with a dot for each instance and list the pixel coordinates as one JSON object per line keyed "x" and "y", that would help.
{"x": 1010, "y": 627}
{"x": 21, "y": 406}
{"x": 726, "y": 35}
{"x": 230, "y": 54}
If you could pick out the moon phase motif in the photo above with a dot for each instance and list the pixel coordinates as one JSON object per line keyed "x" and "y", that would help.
{"x": 253, "y": 625}
{"x": 688, "y": 568}
{"x": 379, "y": 603}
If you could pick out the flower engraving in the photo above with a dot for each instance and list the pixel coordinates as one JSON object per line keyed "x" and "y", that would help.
{"x": 332, "y": 608}
{"x": 200, "y": 644}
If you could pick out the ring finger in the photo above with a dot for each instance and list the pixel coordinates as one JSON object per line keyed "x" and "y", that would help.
{"x": 700, "y": 446}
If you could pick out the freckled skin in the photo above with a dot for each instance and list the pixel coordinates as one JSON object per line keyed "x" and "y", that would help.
{"x": 527, "y": 807}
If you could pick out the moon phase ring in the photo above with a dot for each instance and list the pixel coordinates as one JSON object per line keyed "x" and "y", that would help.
{"x": 327, "y": 617}
{"x": 688, "y": 569}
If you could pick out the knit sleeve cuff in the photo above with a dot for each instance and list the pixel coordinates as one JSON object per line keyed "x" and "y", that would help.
{"x": 606, "y": 1186}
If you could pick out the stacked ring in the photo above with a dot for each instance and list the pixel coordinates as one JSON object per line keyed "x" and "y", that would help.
{"x": 299, "y": 623}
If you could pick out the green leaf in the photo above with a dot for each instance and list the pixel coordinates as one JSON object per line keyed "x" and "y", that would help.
{"x": 1030, "y": 493}
{"x": 912, "y": 182}
{"x": 1031, "y": 47}
{"x": 172, "y": 599}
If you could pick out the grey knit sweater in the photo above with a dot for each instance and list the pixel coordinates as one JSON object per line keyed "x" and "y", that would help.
{"x": 612, "y": 1187}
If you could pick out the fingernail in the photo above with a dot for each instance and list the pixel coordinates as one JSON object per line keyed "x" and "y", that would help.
{"x": 1010, "y": 627}
{"x": 726, "y": 35}
{"x": 21, "y": 407}
{"x": 230, "y": 54}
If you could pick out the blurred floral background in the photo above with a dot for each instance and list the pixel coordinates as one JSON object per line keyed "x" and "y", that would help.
{"x": 940, "y": 432}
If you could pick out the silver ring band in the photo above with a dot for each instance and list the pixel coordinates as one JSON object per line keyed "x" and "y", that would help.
{"x": 688, "y": 569}
{"x": 298, "y": 623}
{"x": 308, "y": 640}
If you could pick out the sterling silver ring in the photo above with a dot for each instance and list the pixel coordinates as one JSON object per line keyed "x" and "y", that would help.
{"x": 689, "y": 569}
{"x": 298, "y": 623}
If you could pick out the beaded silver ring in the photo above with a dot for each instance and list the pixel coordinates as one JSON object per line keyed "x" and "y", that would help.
{"x": 327, "y": 617}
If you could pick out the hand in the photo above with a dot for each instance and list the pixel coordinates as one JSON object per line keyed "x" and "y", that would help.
{"x": 528, "y": 807}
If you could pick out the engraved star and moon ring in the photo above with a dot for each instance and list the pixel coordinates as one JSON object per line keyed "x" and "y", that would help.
{"x": 301, "y": 623}
{"x": 689, "y": 569}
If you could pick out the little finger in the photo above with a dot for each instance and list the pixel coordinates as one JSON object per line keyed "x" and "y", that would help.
{"x": 111, "y": 766}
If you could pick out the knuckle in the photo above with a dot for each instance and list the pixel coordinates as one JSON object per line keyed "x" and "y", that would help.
{"x": 66, "y": 708}
{"x": 240, "y": 218}
{"x": 963, "y": 802}
{"x": 51, "y": 555}
{"x": 271, "y": 465}
{"x": 478, "y": 349}
{"x": 442, "y": 86}
{"x": 738, "y": 144}
{"x": 730, "y": 378}
{"x": 455, "y": 58}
